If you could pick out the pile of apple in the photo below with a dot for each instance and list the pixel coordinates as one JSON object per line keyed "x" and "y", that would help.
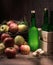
{"x": 13, "y": 27}
{"x": 11, "y": 46}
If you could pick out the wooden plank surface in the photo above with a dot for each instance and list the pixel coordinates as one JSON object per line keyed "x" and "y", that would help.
{"x": 27, "y": 60}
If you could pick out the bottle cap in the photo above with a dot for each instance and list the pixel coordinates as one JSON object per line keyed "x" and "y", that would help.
{"x": 45, "y": 9}
{"x": 32, "y": 11}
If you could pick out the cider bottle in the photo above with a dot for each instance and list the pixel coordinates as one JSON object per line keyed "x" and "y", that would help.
{"x": 33, "y": 33}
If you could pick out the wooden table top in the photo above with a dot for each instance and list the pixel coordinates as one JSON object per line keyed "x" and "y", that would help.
{"x": 27, "y": 60}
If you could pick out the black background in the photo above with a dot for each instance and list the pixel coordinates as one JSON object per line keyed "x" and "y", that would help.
{"x": 16, "y": 9}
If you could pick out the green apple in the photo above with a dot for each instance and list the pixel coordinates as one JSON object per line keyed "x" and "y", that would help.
{"x": 22, "y": 27}
{"x": 2, "y": 47}
{"x": 19, "y": 40}
{"x": 4, "y": 28}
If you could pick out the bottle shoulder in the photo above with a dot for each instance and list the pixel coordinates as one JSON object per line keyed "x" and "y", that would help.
{"x": 47, "y": 27}
{"x": 33, "y": 27}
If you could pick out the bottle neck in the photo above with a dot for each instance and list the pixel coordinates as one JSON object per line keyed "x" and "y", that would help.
{"x": 46, "y": 17}
{"x": 33, "y": 20}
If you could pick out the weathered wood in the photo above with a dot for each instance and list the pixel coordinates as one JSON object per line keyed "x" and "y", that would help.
{"x": 27, "y": 60}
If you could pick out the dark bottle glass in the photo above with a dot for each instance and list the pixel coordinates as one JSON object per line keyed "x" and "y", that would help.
{"x": 33, "y": 34}
{"x": 51, "y": 22}
{"x": 45, "y": 26}
{"x": 50, "y": 35}
{"x": 47, "y": 33}
{"x": 45, "y": 21}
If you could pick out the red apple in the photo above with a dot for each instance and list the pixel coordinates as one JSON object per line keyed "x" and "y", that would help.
{"x": 25, "y": 49}
{"x": 4, "y": 35}
{"x": 13, "y": 28}
{"x": 10, "y": 52}
{"x": 8, "y": 42}
{"x": 10, "y": 22}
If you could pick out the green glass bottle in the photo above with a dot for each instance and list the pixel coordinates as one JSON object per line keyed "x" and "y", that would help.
{"x": 51, "y": 22}
{"x": 50, "y": 35}
{"x": 45, "y": 21}
{"x": 45, "y": 26}
{"x": 47, "y": 35}
{"x": 33, "y": 34}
